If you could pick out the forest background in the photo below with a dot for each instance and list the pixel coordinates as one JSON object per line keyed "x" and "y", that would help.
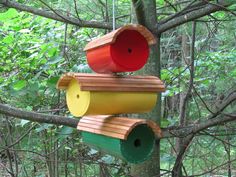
{"x": 195, "y": 56}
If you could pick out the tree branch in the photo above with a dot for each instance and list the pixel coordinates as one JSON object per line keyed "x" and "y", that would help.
{"x": 178, "y": 162}
{"x": 184, "y": 142}
{"x": 190, "y": 7}
{"x": 56, "y": 16}
{"x": 208, "y": 9}
{"x": 167, "y": 132}
{"x": 213, "y": 169}
{"x": 161, "y": 27}
{"x": 18, "y": 140}
{"x": 191, "y": 69}
{"x": 217, "y": 118}
{"x": 38, "y": 117}
{"x": 139, "y": 11}
{"x": 230, "y": 11}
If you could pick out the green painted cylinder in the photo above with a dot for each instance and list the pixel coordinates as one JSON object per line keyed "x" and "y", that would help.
{"x": 137, "y": 148}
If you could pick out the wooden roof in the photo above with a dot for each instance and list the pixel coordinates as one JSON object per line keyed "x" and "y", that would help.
{"x": 109, "y": 82}
{"x": 111, "y": 37}
{"x": 116, "y": 127}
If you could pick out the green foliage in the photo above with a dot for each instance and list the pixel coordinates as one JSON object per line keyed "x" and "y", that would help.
{"x": 33, "y": 54}
{"x": 214, "y": 79}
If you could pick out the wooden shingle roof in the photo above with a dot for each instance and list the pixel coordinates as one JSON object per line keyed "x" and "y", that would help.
{"x": 109, "y": 82}
{"x": 116, "y": 127}
{"x": 111, "y": 37}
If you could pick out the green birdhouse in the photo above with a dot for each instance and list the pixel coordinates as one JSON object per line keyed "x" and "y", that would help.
{"x": 129, "y": 139}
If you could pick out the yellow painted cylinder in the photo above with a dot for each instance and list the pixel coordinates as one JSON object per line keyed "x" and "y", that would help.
{"x": 81, "y": 103}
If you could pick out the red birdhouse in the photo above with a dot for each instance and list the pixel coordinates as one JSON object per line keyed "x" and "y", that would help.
{"x": 123, "y": 50}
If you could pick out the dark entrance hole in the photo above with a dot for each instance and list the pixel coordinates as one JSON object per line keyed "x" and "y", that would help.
{"x": 129, "y": 50}
{"x": 137, "y": 143}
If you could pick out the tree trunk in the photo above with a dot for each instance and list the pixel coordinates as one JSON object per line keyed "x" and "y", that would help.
{"x": 182, "y": 121}
{"x": 146, "y": 15}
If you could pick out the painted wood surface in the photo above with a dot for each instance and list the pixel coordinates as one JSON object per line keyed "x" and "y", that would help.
{"x": 81, "y": 103}
{"x": 123, "y": 50}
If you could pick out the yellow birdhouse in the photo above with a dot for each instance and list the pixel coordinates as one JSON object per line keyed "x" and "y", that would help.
{"x": 105, "y": 94}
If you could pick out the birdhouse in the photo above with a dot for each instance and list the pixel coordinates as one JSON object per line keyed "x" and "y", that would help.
{"x": 123, "y": 50}
{"x": 105, "y": 94}
{"x": 127, "y": 138}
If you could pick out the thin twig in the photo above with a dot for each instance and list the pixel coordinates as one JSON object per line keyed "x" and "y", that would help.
{"x": 54, "y": 11}
{"x": 19, "y": 139}
{"x": 76, "y": 10}
{"x": 218, "y": 5}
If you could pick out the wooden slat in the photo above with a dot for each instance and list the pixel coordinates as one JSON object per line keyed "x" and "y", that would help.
{"x": 111, "y": 125}
{"x": 107, "y": 82}
{"x": 104, "y": 128}
{"x": 122, "y": 89}
{"x": 101, "y": 132}
{"x": 120, "y": 80}
{"x": 87, "y": 75}
{"x": 131, "y": 85}
{"x": 111, "y": 37}
{"x": 126, "y": 121}
{"x": 121, "y": 122}
{"x": 105, "y": 125}
{"x": 116, "y": 127}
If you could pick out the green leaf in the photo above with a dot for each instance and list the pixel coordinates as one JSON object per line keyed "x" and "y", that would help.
{"x": 168, "y": 159}
{"x": 19, "y": 85}
{"x": 65, "y": 132}
{"x": 233, "y": 7}
{"x": 1, "y": 79}
{"x": 52, "y": 82}
{"x": 161, "y": 2}
{"x": 43, "y": 127}
{"x": 233, "y": 73}
{"x": 92, "y": 151}
{"x": 11, "y": 13}
{"x": 52, "y": 52}
{"x": 67, "y": 148}
{"x": 83, "y": 68}
{"x": 219, "y": 15}
{"x": 206, "y": 82}
{"x": 24, "y": 122}
{"x": 55, "y": 60}
{"x": 24, "y": 31}
{"x": 164, "y": 123}
{"x": 108, "y": 159}
{"x": 8, "y": 39}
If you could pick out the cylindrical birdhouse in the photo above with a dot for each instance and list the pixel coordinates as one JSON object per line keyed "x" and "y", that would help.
{"x": 130, "y": 139}
{"x": 94, "y": 94}
{"x": 123, "y": 50}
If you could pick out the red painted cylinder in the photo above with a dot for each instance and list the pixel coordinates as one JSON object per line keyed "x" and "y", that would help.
{"x": 128, "y": 53}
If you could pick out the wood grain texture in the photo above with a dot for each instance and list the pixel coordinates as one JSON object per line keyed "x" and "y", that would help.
{"x": 109, "y": 82}
{"x": 116, "y": 127}
{"x": 111, "y": 37}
